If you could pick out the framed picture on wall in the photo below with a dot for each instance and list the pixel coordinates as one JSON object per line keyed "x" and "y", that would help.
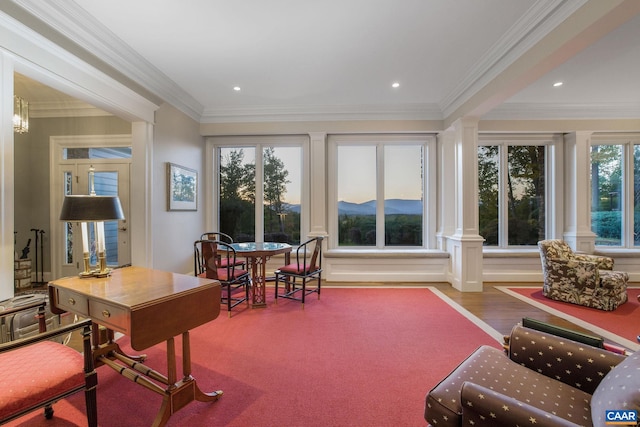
{"x": 182, "y": 188}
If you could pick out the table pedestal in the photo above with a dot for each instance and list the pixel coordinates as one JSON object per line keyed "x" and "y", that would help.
{"x": 177, "y": 393}
{"x": 258, "y": 279}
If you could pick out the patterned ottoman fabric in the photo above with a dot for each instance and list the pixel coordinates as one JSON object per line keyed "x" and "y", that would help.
{"x": 491, "y": 368}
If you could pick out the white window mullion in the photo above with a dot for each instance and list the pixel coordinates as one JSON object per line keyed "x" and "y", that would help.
{"x": 503, "y": 206}
{"x": 380, "y": 240}
{"x": 259, "y": 193}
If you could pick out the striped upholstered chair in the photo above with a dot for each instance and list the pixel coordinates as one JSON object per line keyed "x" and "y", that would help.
{"x": 582, "y": 279}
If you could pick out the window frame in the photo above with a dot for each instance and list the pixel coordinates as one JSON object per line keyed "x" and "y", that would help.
{"x": 627, "y": 141}
{"x": 553, "y": 182}
{"x": 429, "y": 180}
{"x": 259, "y": 143}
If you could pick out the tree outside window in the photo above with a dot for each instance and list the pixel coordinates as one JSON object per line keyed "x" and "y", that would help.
{"x": 280, "y": 192}
{"x": 512, "y": 200}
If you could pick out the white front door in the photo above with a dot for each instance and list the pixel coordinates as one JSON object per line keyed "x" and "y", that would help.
{"x": 110, "y": 179}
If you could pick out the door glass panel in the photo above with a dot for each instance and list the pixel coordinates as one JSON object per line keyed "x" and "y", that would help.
{"x": 106, "y": 184}
{"x": 96, "y": 153}
{"x": 68, "y": 226}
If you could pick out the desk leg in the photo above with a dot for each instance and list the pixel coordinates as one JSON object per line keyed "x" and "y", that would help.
{"x": 179, "y": 394}
{"x": 258, "y": 277}
{"x": 104, "y": 344}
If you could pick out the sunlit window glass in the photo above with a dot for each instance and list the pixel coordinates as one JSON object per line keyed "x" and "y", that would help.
{"x": 356, "y": 192}
{"x": 526, "y": 194}
{"x": 403, "y": 194}
{"x": 488, "y": 179}
{"x": 636, "y": 195}
{"x": 237, "y": 192}
{"x": 282, "y": 194}
{"x": 606, "y": 194}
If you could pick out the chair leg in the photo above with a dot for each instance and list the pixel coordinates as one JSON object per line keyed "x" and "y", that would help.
{"x": 48, "y": 412}
{"x": 276, "y": 294}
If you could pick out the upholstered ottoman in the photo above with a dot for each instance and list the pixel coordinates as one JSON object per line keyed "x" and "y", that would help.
{"x": 492, "y": 368}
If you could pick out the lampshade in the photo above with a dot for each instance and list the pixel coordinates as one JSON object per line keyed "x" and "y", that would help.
{"x": 91, "y": 208}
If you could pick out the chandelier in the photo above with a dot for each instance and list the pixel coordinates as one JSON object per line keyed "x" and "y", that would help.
{"x": 20, "y": 115}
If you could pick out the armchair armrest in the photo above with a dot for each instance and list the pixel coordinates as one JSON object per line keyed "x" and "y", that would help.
{"x": 485, "y": 407}
{"x": 549, "y": 354}
{"x": 603, "y": 262}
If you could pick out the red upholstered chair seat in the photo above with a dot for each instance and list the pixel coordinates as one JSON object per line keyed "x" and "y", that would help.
{"x": 229, "y": 274}
{"x": 37, "y": 373}
{"x": 298, "y": 269}
{"x": 298, "y": 275}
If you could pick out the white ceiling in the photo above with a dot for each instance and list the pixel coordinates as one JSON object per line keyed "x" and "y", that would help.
{"x": 312, "y": 58}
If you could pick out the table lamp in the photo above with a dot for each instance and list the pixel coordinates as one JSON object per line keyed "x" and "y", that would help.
{"x": 96, "y": 209}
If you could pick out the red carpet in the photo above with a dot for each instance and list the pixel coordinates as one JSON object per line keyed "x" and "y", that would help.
{"x": 357, "y": 357}
{"x": 621, "y": 325}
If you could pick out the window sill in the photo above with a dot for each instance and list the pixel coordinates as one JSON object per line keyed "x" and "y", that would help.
{"x": 511, "y": 253}
{"x": 385, "y": 253}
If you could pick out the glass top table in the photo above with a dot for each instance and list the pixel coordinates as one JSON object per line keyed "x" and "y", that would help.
{"x": 257, "y": 254}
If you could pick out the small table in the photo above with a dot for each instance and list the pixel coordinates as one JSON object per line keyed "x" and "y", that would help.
{"x": 150, "y": 306}
{"x": 257, "y": 253}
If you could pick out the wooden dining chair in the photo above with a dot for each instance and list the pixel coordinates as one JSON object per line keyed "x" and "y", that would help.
{"x": 218, "y": 260}
{"x": 306, "y": 269}
{"x": 39, "y": 370}
{"x": 223, "y": 237}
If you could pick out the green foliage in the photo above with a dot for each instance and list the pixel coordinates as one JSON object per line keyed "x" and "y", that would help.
{"x": 360, "y": 230}
{"x": 237, "y": 199}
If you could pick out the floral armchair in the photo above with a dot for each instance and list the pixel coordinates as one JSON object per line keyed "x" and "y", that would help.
{"x": 582, "y": 279}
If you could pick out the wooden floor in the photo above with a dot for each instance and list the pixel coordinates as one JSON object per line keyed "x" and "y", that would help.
{"x": 499, "y": 310}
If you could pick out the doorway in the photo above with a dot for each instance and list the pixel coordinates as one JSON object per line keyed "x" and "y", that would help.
{"x": 79, "y": 161}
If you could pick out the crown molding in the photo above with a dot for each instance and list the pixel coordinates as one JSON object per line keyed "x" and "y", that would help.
{"x": 540, "y": 19}
{"x": 73, "y": 22}
{"x": 550, "y": 111}
{"x": 53, "y": 109}
{"x": 322, "y": 113}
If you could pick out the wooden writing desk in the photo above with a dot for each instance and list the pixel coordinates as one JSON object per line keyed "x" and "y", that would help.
{"x": 150, "y": 306}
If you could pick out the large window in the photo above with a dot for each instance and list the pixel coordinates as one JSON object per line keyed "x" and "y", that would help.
{"x": 265, "y": 169}
{"x": 378, "y": 187}
{"x": 615, "y": 190}
{"x": 512, "y": 183}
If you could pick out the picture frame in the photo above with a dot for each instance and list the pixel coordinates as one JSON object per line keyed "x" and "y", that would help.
{"x": 182, "y": 188}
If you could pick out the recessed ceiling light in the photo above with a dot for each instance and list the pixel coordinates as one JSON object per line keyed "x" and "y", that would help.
{"x": 395, "y": 85}
{"x": 557, "y": 84}
{"x": 236, "y": 88}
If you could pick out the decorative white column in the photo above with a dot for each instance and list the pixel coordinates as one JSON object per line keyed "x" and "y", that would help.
{"x": 317, "y": 163}
{"x": 6, "y": 172}
{"x": 141, "y": 221}
{"x": 577, "y": 202}
{"x": 446, "y": 187}
{"x": 465, "y": 245}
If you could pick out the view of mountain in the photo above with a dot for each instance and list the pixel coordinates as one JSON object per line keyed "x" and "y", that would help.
{"x": 392, "y": 206}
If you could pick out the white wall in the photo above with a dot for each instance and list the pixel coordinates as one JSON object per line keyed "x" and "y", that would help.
{"x": 177, "y": 140}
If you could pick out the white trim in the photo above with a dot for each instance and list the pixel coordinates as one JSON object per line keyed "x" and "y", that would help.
{"x": 42, "y": 60}
{"x": 56, "y": 162}
{"x": 259, "y": 142}
{"x": 426, "y": 140}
